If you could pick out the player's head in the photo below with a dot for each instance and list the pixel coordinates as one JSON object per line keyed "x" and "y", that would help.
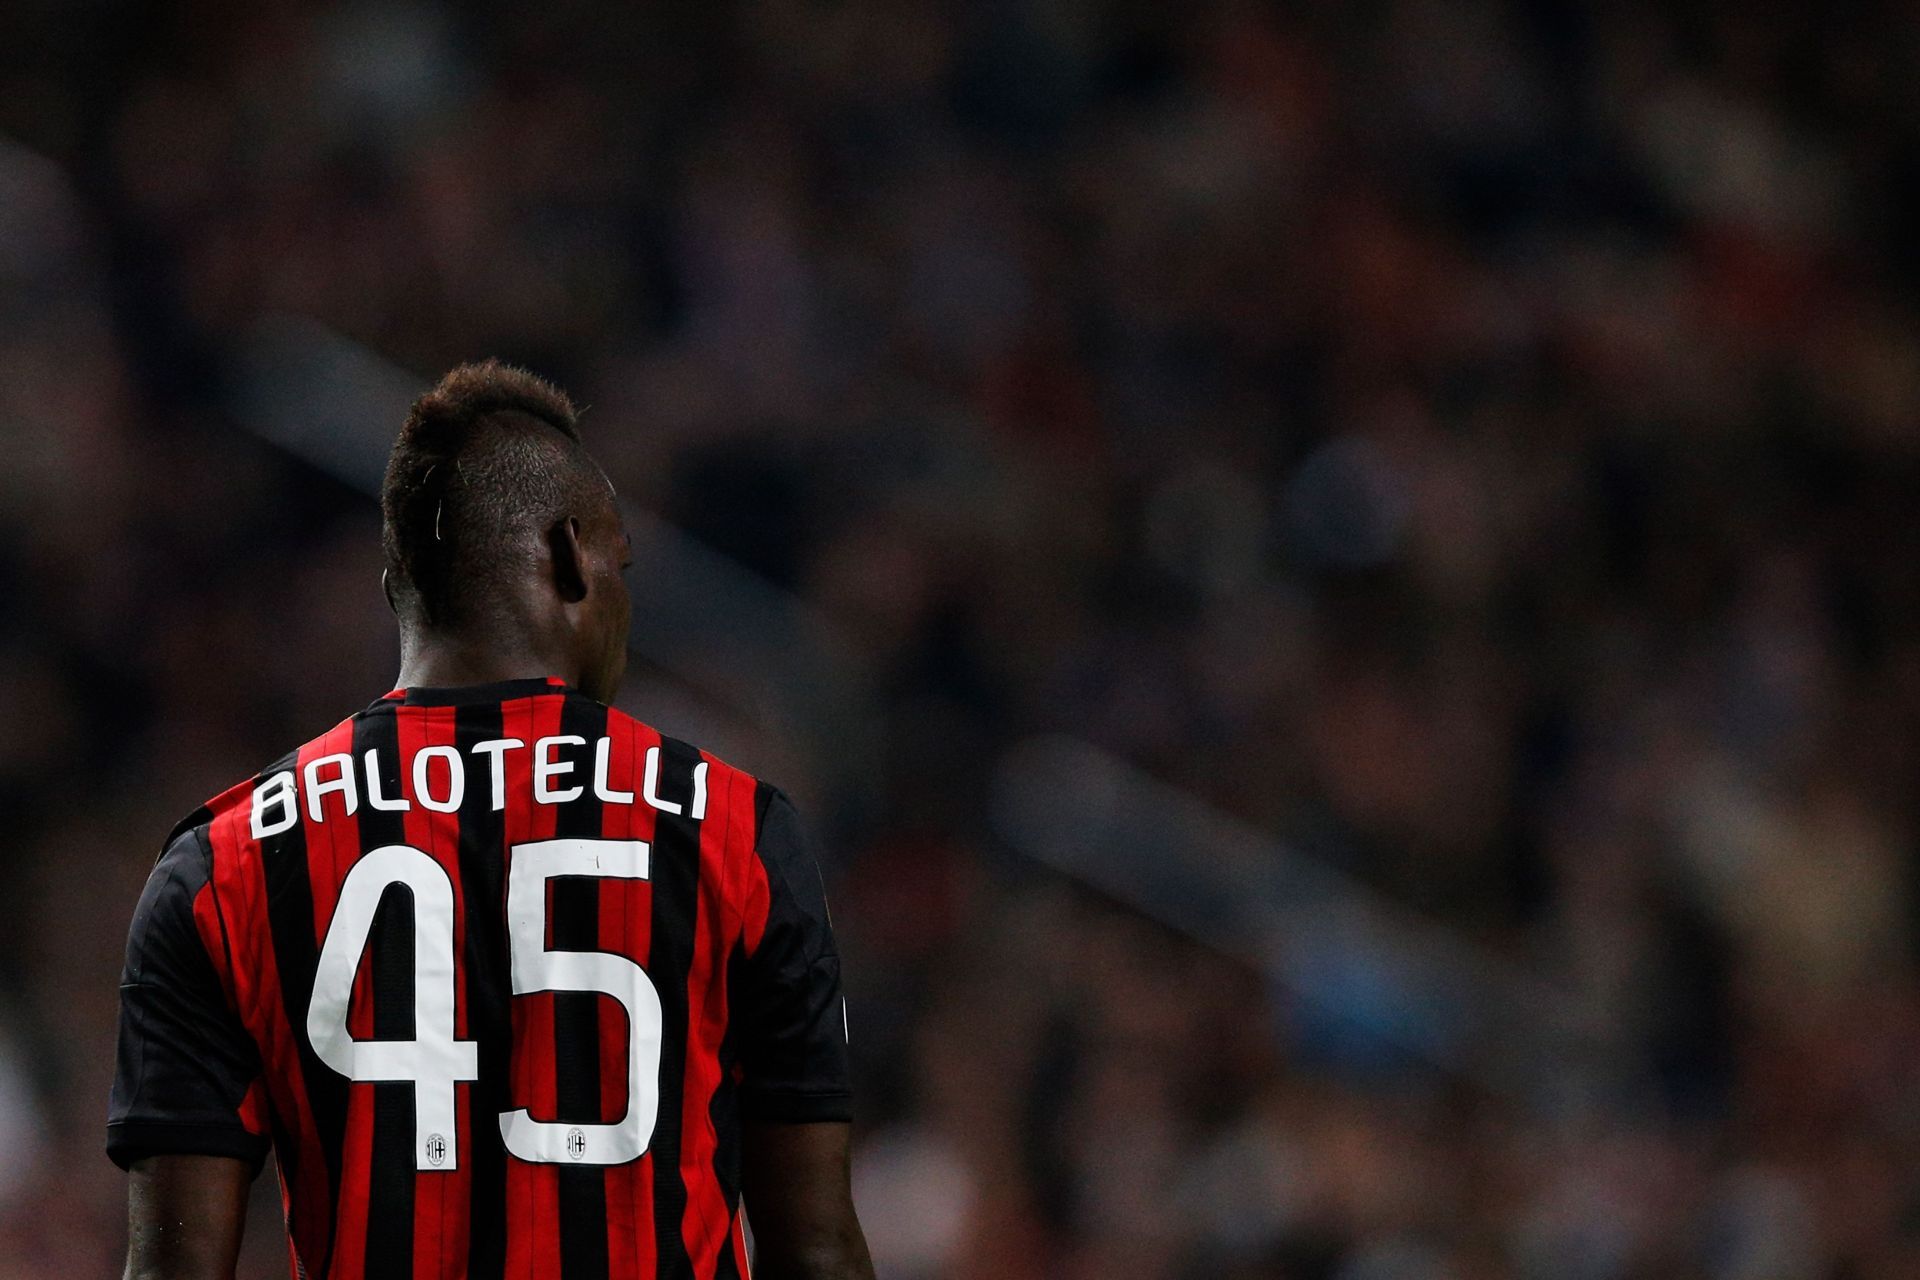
{"x": 500, "y": 531}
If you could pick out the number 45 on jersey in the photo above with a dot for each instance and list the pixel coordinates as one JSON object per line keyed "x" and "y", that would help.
{"x": 434, "y": 1061}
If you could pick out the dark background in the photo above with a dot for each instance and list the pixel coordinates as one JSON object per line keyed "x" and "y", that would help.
{"x": 1339, "y": 581}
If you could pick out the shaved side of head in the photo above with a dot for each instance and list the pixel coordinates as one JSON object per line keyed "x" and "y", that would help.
{"x": 487, "y": 463}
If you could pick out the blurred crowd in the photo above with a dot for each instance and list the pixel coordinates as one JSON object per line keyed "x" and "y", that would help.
{"x": 1475, "y": 443}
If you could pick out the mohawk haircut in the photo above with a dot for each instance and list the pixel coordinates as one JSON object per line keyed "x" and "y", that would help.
{"x": 487, "y": 462}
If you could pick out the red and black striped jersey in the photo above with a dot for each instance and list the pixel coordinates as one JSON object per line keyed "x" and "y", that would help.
{"x": 497, "y": 973}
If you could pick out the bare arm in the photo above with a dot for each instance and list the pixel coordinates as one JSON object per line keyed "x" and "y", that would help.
{"x": 797, "y": 1185}
{"x": 184, "y": 1217}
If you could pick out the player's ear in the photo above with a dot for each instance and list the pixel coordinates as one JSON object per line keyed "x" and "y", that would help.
{"x": 569, "y": 560}
{"x": 386, "y": 589}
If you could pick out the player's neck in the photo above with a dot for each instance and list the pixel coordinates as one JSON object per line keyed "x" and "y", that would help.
{"x": 439, "y": 662}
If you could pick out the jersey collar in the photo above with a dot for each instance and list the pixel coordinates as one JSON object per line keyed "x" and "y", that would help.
{"x": 460, "y": 695}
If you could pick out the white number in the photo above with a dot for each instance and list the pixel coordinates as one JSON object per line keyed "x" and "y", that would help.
{"x": 537, "y": 968}
{"x": 433, "y": 1060}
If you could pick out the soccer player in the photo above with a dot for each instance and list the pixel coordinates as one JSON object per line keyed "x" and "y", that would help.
{"x": 512, "y": 984}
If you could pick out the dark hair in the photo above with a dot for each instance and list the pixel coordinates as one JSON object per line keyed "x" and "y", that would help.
{"x": 486, "y": 462}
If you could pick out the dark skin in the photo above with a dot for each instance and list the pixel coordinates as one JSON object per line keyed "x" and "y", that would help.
{"x": 567, "y": 616}
{"x": 797, "y": 1185}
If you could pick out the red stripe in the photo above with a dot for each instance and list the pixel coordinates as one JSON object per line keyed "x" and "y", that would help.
{"x": 252, "y": 1109}
{"x": 533, "y": 1190}
{"x": 333, "y": 849}
{"x": 333, "y": 846}
{"x": 294, "y": 1263}
{"x": 626, "y": 927}
{"x": 441, "y": 1198}
{"x": 213, "y": 940}
{"x": 742, "y": 835}
{"x": 739, "y": 1243}
{"x": 705, "y": 1223}
{"x": 239, "y": 880}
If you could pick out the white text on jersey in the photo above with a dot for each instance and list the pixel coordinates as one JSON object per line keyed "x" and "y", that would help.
{"x": 277, "y": 800}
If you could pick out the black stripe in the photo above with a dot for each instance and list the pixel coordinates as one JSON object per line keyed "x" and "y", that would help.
{"x": 726, "y": 1160}
{"x": 391, "y": 1168}
{"x": 489, "y": 994}
{"x": 576, "y": 1014}
{"x": 296, "y": 954}
{"x": 763, "y": 794}
{"x": 676, "y": 881}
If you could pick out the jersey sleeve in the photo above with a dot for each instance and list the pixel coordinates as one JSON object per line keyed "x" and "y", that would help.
{"x": 185, "y": 1081}
{"x": 792, "y": 1019}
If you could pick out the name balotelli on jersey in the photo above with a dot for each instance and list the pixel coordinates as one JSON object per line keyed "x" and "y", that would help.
{"x": 497, "y": 973}
{"x": 439, "y": 775}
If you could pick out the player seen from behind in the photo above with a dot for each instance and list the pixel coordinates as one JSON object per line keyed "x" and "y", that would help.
{"x": 510, "y": 983}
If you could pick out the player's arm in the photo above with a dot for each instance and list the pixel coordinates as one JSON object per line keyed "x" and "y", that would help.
{"x": 796, "y": 1102}
{"x": 798, "y": 1189}
{"x": 184, "y": 1217}
{"x": 180, "y": 1121}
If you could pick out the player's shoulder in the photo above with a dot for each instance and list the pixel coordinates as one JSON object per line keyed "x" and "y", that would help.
{"x": 716, "y": 775}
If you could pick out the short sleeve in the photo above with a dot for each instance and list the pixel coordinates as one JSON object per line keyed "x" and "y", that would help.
{"x": 185, "y": 1064}
{"x": 791, "y": 1024}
